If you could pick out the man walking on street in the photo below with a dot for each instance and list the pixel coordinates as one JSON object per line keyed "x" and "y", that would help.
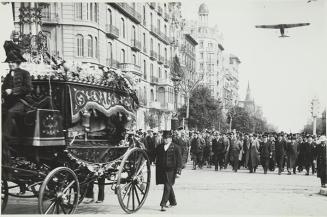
{"x": 280, "y": 152}
{"x": 168, "y": 165}
{"x": 265, "y": 152}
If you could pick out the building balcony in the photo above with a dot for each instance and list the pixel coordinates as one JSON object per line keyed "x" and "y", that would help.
{"x": 166, "y": 63}
{"x": 129, "y": 11}
{"x": 166, "y": 16}
{"x": 112, "y": 63}
{"x": 154, "y": 80}
{"x": 155, "y": 105}
{"x": 135, "y": 45}
{"x": 160, "y": 35}
{"x": 130, "y": 67}
{"x": 112, "y": 31}
{"x": 160, "y": 11}
{"x": 153, "y": 55}
{"x": 50, "y": 18}
{"x": 161, "y": 59}
{"x": 152, "y": 5}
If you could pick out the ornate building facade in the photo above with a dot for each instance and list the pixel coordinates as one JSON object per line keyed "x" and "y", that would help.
{"x": 131, "y": 37}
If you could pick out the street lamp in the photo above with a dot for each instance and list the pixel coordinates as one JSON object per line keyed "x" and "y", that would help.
{"x": 176, "y": 81}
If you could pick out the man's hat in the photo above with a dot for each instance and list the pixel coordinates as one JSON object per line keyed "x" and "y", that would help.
{"x": 13, "y": 53}
{"x": 264, "y": 136}
{"x": 167, "y": 134}
{"x": 180, "y": 128}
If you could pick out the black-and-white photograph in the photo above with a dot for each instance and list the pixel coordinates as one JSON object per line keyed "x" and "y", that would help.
{"x": 191, "y": 107}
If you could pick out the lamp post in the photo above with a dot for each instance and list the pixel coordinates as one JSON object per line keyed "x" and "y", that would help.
{"x": 314, "y": 112}
{"x": 176, "y": 81}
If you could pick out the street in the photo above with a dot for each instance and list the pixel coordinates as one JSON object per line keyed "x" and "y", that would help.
{"x": 221, "y": 193}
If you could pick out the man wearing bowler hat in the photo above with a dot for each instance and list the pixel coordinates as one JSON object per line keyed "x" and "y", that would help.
{"x": 168, "y": 165}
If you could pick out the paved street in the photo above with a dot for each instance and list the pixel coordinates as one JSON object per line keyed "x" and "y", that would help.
{"x": 222, "y": 193}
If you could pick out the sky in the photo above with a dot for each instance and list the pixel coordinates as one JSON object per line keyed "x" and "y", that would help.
{"x": 284, "y": 73}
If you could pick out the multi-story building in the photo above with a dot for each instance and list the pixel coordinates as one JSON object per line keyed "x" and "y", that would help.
{"x": 208, "y": 49}
{"x": 131, "y": 37}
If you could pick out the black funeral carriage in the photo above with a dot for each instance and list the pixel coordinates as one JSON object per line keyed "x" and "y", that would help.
{"x": 68, "y": 140}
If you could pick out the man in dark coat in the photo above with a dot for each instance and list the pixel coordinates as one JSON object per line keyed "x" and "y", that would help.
{"x": 196, "y": 151}
{"x": 292, "y": 153}
{"x": 308, "y": 155}
{"x": 168, "y": 164}
{"x": 218, "y": 149}
{"x": 253, "y": 154}
{"x": 149, "y": 143}
{"x": 16, "y": 87}
{"x": 280, "y": 152}
{"x": 272, "y": 157}
{"x": 322, "y": 160}
{"x": 234, "y": 151}
{"x": 265, "y": 153}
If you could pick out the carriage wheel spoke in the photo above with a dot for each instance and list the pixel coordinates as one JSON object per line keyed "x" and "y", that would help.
{"x": 129, "y": 196}
{"x": 133, "y": 200}
{"x": 140, "y": 189}
{"x": 70, "y": 184}
{"x": 50, "y": 206}
{"x": 63, "y": 209}
{"x": 137, "y": 195}
{"x": 127, "y": 190}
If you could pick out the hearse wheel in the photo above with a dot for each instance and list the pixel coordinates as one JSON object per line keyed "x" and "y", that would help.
{"x": 133, "y": 181}
{"x": 59, "y": 192}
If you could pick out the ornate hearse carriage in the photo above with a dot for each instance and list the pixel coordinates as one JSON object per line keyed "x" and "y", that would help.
{"x": 70, "y": 137}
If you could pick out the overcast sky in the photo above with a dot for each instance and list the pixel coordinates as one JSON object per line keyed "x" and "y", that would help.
{"x": 284, "y": 73}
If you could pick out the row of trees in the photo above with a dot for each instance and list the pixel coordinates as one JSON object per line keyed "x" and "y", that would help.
{"x": 205, "y": 112}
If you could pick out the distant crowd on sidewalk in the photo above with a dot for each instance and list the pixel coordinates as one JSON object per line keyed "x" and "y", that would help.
{"x": 286, "y": 153}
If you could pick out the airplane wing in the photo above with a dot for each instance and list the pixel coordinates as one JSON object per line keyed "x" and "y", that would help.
{"x": 269, "y": 26}
{"x": 295, "y": 25}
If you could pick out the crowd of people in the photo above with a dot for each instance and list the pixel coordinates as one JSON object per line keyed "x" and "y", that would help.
{"x": 286, "y": 153}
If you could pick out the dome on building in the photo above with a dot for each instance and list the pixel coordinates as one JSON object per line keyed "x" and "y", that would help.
{"x": 203, "y": 9}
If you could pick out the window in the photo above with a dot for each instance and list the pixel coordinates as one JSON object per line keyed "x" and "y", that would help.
{"x": 165, "y": 53}
{"x": 78, "y": 11}
{"x": 122, "y": 27}
{"x": 144, "y": 95}
{"x": 109, "y": 53}
{"x": 159, "y": 70}
{"x": 144, "y": 43}
{"x": 96, "y": 47}
{"x": 89, "y": 46}
{"x": 80, "y": 45}
{"x": 152, "y": 95}
{"x": 134, "y": 59}
{"x": 122, "y": 56}
{"x": 165, "y": 30}
{"x": 158, "y": 25}
{"x": 201, "y": 66}
{"x": 144, "y": 15}
{"x": 159, "y": 51}
{"x": 133, "y": 34}
{"x": 151, "y": 44}
{"x": 95, "y": 12}
{"x": 166, "y": 75}
{"x": 151, "y": 20}
{"x": 151, "y": 70}
{"x": 91, "y": 11}
{"x": 201, "y": 55}
{"x": 109, "y": 17}
{"x": 144, "y": 69}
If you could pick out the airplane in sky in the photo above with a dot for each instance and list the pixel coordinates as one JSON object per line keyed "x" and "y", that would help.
{"x": 282, "y": 27}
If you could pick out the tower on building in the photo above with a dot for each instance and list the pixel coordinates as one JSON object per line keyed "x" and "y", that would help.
{"x": 203, "y": 14}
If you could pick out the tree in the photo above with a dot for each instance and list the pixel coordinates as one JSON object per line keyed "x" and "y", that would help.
{"x": 204, "y": 111}
{"x": 241, "y": 119}
{"x": 185, "y": 80}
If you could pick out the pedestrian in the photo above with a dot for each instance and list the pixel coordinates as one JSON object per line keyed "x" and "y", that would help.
{"x": 218, "y": 149}
{"x": 280, "y": 152}
{"x": 168, "y": 165}
{"x": 300, "y": 158}
{"x": 265, "y": 153}
{"x": 292, "y": 153}
{"x": 272, "y": 157}
{"x": 149, "y": 143}
{"x": 322, "y": 160}
{"x": 246, "y": 146}
{"x": 196, "y": 151}
{"x": 253, "y": 154}
{"x": 308, "y": 157}
{"x": 234, "y": 151}
{"x": 226, "y": 142}
{"x": 207, "y": 148}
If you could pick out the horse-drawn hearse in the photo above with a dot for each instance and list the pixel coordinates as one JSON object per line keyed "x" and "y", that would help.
{"x": 70, "y": 138}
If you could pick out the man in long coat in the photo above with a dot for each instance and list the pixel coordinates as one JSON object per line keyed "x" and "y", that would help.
{"x": 253, "y": 154}
{"x": 168, "y": 164}
{"x": 265, "y": 152}
{"x": 196, "y": 151}
{"x": 234, "y": 151}
{"x": 292, "y": 153}
{"x": 322, "y": 160}
{"x": 272, "y": 157}
{"x": 218, "y": 149}
{"x": 280, "y": 152}
{"x": 149, "y": 143}
{"x": 308, "y": 155}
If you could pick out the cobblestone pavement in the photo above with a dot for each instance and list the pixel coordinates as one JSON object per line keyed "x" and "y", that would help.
{"x": 224, "y": 192}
